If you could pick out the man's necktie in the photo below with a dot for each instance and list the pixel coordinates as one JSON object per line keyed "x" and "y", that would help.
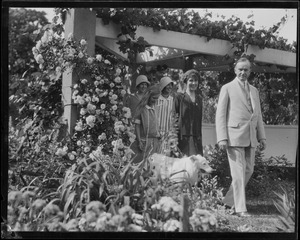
{"x": 247, "y": 91}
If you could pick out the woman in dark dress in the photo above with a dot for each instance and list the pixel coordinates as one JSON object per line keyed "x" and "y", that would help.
{"x": 188, "y": 106}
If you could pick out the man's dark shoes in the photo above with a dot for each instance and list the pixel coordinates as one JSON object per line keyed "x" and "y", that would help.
{"x": 243, "y": 214}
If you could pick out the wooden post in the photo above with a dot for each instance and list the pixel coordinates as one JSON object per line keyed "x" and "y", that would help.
{"x": 82, "y": 24}
{"x": 185, "y": 215}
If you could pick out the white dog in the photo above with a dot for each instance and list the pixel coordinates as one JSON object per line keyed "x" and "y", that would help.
{"x": 179, "y": 169}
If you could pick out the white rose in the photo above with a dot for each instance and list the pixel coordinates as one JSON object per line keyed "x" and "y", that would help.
{"x": 118, "y": 71}
{"x": 86, "y": 149}
{"x": 84, "y": 81}
{"x": 90, "y": 60}
{"x": 83, "y": 111}
{"x": 99, "y": 57}
{"x": 117, "y": 80}
{"x": 80, "y": 55}
{"x": 82, "y": 42}
{"x": 123, "y": 92}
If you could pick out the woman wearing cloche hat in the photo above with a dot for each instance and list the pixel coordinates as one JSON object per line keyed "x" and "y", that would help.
{"x": 132, "y": 100}
{"x": 165, "y": 108}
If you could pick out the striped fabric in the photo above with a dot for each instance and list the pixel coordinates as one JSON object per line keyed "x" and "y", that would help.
{"x": 164, "y": 108}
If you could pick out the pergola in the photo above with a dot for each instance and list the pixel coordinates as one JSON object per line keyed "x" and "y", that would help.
{"x": 176, "y": 46}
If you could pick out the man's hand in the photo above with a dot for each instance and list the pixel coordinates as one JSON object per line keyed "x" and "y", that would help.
{"x": 263, "y": 144}
{"x": 223, "y": 144}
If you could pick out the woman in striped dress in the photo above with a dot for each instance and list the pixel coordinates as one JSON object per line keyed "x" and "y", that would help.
{"x": 164, "y": 109}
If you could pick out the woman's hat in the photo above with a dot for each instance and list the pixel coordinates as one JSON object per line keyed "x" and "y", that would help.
{"x": 164, "y": 82}
{"x": 141, "y": 79}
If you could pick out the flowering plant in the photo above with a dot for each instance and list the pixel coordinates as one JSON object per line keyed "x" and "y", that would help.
{"x": 98, "y": 94}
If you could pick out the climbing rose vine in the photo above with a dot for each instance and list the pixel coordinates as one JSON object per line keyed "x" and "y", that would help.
{"x": 103, "y": 124}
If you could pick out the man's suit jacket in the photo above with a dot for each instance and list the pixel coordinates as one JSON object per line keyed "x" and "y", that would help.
{"x": 234, "y": 120}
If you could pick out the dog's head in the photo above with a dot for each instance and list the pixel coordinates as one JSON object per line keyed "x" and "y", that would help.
{"x": 201, "y": 163}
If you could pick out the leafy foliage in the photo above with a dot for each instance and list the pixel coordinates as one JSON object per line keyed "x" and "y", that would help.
{"x": 24, "y": 86}
{"x": 278, "y": 95}
{"x": 285, "y": 204}
{"x": 22, "y": 26}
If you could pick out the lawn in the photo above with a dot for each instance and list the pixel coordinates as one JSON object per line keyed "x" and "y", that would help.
{"x": 265, "y": 216}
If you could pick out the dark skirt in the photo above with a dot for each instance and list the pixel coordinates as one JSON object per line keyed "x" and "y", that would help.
{"x": 152, "y": 145}
{"x": 190, "y": 145}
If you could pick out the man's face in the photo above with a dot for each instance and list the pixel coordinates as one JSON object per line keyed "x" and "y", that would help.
{"x": 242, "y": 70}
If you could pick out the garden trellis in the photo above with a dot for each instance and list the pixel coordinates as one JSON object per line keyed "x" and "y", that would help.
{"x": 83, "y": 23}
{"x": 201, "y": 53}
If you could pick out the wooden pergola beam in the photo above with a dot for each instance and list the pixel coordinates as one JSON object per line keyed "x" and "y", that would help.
{"x": 111, "y": 46}
{"x": 195, "y": 43}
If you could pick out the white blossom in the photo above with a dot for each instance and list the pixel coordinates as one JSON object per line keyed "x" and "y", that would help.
{"x": 80, "y": 55}
{"x": 71, "y": 156}
{"x": 172, "y": 225}
{"x": 79, "y": 126}
{"x": 84, "y": 81}
{"x": 91, "y": 107}
{"x": 90, "y": 120}
{"x": 107, "y": 62}
{"x": 118, "y": 71}
{"x": 83, "y": 111}
{"x": 123, "y": 92}
{"x": 39, "y": 59}
{"x": 102, "y": 137}
{"x": 58, "y": 69}
{"x": 82, "y": 42}
{"x": 95, "y": 99}
{"x": 114, "y": 97}
{"x": 98, "y": 57}
{"x": 90, "y": 60}
{"x": 86, "y": 149}
{"x": 38, "y": 45}
{"x": 117, "y": 80}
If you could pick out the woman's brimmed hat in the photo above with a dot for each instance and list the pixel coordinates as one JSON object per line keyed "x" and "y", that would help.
{"x": 141, "y": 79}
{"x": 164, "y": 82}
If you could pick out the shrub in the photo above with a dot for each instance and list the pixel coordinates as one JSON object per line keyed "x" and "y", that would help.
{"x": 265, "y": 170}
{"x": 218, "y": 161}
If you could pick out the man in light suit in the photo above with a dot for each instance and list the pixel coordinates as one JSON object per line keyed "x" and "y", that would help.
{"x": 239, "y": 128}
